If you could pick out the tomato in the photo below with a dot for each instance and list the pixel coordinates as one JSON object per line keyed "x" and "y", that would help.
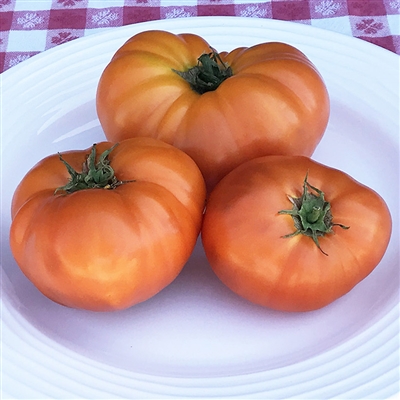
{"x": 113, "y": 234}
{"x": 221, "y": 109}
{"x": 292, "y": 234}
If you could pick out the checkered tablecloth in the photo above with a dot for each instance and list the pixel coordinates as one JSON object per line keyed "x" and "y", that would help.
{"x": 29, "y": 27}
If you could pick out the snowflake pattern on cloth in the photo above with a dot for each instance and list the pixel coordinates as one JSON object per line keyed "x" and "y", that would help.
{"x": 63, "y": 37}
{"x": 104, "y": 17}
{"x": 369, "y": 26}
{"x": 176, "y": 12}
{"x": 16, "y": 60}
{"x": 253, "y": 11}
{"x": 327, "y": 8}
{"x": 30, "y": 20}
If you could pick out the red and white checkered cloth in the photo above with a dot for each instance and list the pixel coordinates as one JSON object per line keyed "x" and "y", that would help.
{"x": 29, "y": 27}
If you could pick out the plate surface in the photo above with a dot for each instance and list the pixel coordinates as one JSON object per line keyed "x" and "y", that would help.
{"x": 196, "y": 338}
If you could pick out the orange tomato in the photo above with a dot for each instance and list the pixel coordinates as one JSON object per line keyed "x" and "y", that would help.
{"x": 295, "y": 253}
{"x": 221, "y": 109}
{"x": 116, "y": 232}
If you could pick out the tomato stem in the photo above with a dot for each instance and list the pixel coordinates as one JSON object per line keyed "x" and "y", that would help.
{"x": 208, "y": 74}
{"x": 311, "y": 214}
{"x": 94, "y": 175}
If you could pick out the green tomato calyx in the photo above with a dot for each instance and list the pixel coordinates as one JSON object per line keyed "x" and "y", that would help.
{"x": 311, "y": 214}
{"x": 94, "y": 175}
{"x": 208, "y": 74}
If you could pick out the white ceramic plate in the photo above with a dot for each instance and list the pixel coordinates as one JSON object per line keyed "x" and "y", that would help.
{"x": 196, "y": 338}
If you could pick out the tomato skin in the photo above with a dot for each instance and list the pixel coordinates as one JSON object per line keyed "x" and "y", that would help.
{"x": 105, "y": 250}
{"x": 242, "y": 234}
{"x": 275, "y": 103}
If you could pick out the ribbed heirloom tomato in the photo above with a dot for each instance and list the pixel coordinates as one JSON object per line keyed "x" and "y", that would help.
{"x": 222, "y": 109}
{"x": 108, "y": 227}
{"x": 292, "y": 234}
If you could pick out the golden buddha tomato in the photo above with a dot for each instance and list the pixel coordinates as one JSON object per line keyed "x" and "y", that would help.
{"x": 292, "y": 234}
{"x": 108, "y": 227}
{"x": 221, "y": 109}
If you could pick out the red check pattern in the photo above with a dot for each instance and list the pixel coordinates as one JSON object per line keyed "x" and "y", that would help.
{"x": 29, "y": 27}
